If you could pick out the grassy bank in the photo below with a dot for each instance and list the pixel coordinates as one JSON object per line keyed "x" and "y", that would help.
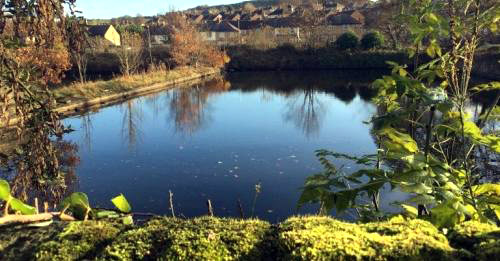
{"x": 301, "y": 238}
{"x": 78, "y": 92}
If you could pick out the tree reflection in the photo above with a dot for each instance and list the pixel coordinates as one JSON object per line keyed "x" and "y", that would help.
{"x": 27, "y": 186}
{"x": 345, "y": 93}
{"x": 190, "y": 108}
{"x": 132, "y": 119}
{"x": 306, "y": 111}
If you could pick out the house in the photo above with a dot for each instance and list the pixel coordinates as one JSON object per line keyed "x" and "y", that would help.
{"x": 336, "y": 7}
{"x": 353, "y": 17}
{"x": 223, "y": 33}
{"x": 159, "y": 35}
{"x": 107, "y": 32}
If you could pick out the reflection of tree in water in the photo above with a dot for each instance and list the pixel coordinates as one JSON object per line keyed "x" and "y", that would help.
{"x": 87, "y": 130}
{"x": 345, "y": 93}
{"x": 47, "y": 188}
{"x": 132, "y": 119}
{"x": 306, "y": 111}
{"x": 189, "y": 108}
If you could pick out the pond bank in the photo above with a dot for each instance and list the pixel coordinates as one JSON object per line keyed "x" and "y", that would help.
{"x": 80, "y": 97}
{"x": 244, "y": 58}
{"x": 299, "y": 238}
{"x": 77, "y": 98}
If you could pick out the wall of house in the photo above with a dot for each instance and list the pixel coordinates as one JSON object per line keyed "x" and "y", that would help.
{"x": 113, "y": 36}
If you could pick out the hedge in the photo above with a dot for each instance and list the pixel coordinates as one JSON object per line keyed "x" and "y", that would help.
{"x": 205, "y": 238}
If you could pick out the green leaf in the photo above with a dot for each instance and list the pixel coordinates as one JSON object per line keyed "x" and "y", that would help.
{"x": 122, "y": 204}
{"x": 398, "y": 142}
{"x": 77, "y": 203}
{"x": 418, "y": 188}
{"x": 422, "y": 199}
{"x": 106, "y": 214}
{"x": 4, "y": 190}
{"x": 18, "y": 205}
{"x": 489, "y": 189}
{"x": 128, "y": 220}
{"x": 410, "y": 210}
{"x": 444, "y": 216}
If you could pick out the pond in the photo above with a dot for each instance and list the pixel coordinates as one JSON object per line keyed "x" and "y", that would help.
{"x": 219, "y": 139}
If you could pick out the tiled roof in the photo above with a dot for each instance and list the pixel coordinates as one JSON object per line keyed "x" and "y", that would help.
{"x": 98, "y": 30}
{"x": 220, "y": 27}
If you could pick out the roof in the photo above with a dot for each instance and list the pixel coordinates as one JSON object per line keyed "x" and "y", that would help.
{"x": 247, "y": 25}
{"x": 346, "y": 18}
{"x": 284, "y": 22}
{"x": 158, "y": 30}
{"x": 220, "y": 27}
{"x": 98, "y": 30}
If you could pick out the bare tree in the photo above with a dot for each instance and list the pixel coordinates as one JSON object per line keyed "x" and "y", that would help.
{"x": 130, "y": 52}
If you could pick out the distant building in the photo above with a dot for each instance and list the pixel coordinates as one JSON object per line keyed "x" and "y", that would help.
{"x": 107, "y": 32}
{"x": 159, "y": 35}
{"x": 223, "y": 33}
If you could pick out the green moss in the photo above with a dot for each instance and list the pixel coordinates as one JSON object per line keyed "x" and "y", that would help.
{"x": 323, "y": 238}
{"x": 60, "y": 241}
{"x": 197, "y": 239}
{"x": 299, "y": 238}
{"x": 482, "y": 240}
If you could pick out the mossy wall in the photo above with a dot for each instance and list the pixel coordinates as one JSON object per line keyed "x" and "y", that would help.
{"x": 300, "y": 238}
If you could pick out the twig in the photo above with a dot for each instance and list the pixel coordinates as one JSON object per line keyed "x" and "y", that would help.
{"x": 46, "y": 207}
{"x": 171, "y": 201}
{"x": 24, "y": 219}
{"x": 210, "y": 209}
{"x": 36, "y": 205}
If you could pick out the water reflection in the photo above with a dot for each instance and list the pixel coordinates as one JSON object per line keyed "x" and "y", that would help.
{"x": 217, "y": 139}
{"x": 306, "y": 111}
{"x": 131, "y": 123}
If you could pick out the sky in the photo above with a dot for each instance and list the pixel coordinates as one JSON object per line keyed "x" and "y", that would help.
{"x": 114, "y": 8}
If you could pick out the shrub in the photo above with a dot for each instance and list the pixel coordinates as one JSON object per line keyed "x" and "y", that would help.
{"x": 348, "y": 40}
{"x": 372, "y": 40}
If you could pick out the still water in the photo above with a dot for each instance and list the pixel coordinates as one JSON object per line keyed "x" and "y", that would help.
{"x": 217, "y": 140}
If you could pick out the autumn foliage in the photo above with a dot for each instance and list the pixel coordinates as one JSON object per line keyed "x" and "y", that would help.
{"x": 187, "y": 46}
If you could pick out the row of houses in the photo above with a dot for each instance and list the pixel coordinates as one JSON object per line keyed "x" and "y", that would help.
{"x": 280, "y": 25}
{"x": 284, "y": 29}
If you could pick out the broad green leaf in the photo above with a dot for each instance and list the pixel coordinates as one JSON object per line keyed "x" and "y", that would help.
{"x": 78, "y": 204}
{"x": 398, "y": 142}
{"x": 418, "y": 188}
{"x": 422, "y": 199}
{"x": 18, "y": 205}
{"x": 490, "y": 189}
{"x": 122, "y": 204}
{"x": 410, "y": 210}
{"x": 4, "y": 190}
{"x": 444, "y": 216}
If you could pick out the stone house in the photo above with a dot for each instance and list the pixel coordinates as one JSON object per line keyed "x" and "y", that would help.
{"x": 106, "y": 32}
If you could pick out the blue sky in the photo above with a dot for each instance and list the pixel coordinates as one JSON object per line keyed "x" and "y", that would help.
{"x": 116, "y": 8}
